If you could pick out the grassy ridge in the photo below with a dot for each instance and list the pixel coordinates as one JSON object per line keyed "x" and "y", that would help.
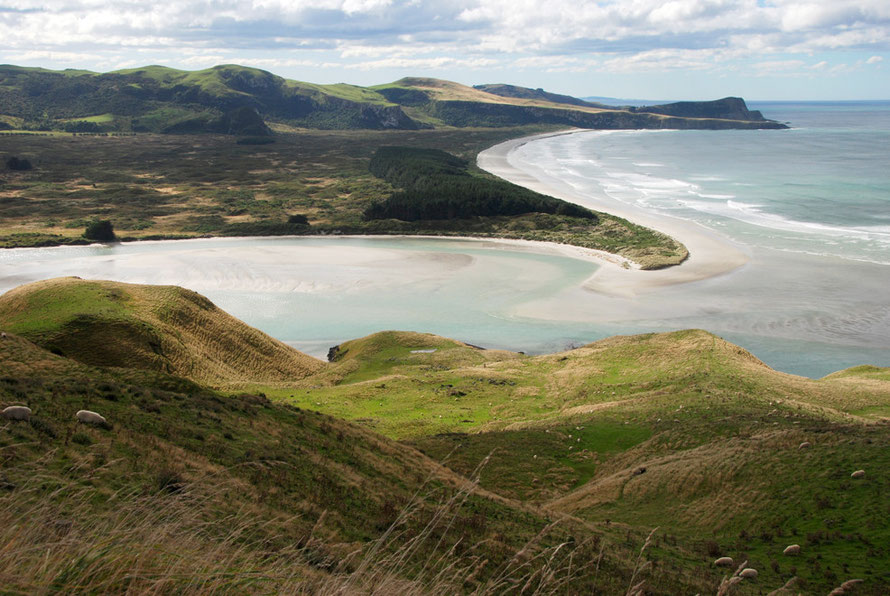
{"x": 680, "y": 430}
{"x": 189, "y": 490}
{"x": 206, "y": 100}
{"x": 160, "y": 328}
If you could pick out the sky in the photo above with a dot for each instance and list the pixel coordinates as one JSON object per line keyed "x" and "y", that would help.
{"x": 632, "y": 49}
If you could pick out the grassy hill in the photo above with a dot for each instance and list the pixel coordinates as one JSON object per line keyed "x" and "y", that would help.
{"x": 158, "y": 328}
{"x": 294, "y": 485}
{"x": 232, "y": 99}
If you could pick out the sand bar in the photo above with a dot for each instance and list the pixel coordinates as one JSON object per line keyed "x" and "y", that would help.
{"x": 710, "y": 255}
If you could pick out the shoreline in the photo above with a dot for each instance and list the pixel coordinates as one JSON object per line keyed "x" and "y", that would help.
{"x": 710, "y": 255}
{"x": 571, "y": 251}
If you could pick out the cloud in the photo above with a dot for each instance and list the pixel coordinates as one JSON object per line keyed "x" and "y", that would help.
{"x": 560, "y": 36}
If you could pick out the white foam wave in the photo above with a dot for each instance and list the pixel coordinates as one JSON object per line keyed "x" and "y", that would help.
{"x": 755, "y": 215}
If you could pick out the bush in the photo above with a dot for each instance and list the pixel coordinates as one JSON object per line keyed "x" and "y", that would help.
{"x": 19, "y": 165}
{"x": 298, "y": 218}
{"x": 255, "y": 141}
{"x": 81, "y": 126}
{"x": 100, "y": 230}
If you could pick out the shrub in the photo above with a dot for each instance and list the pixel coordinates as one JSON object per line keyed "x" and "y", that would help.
{"x": 255, "y": 141}
{"x": 100, "y": 230}
{"x": 19, "y": 165}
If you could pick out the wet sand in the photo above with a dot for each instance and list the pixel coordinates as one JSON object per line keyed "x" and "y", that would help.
{"x": 710, "y": 255}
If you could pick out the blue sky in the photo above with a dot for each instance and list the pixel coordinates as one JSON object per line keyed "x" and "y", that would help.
{"x": 676, "y": 49}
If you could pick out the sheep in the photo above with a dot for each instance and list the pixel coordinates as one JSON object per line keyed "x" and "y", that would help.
{"x": 748, "y": 573}
{"x": 17, "y": 413}
{"x": 804, "y": 445}
{"x": 723, "y": 562}
{"x": 842, "y": 589}
{"x": 793, "y": 549}
{"x": 858, "y": 474}
{"x": 88, "y": 417}
{"x": 3, "y": 335}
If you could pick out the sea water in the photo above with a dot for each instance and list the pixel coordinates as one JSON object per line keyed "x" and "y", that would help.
{"x": 822, "y": 187}
{"x": 809, "y": 206}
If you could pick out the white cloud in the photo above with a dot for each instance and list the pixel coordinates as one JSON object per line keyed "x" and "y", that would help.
{"x": 610, "y": 36}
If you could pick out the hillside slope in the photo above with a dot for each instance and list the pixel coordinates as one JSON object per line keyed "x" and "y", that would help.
{"x": 681, "y": 430}
{"x": 232, "y": 99}
{"x": 159, "y": 328}
{"x": 188, "y": 491}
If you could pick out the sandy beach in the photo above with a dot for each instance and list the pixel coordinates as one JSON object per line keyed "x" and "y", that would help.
{"x": 710, "y": 255}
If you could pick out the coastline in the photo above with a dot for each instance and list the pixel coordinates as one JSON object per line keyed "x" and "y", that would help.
{"x": 710, "y": 255}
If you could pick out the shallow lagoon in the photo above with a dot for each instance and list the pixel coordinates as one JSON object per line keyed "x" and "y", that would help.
{"x": 314, "y": 293}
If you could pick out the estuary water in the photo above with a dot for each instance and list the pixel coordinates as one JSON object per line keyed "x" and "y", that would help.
{"x": 808, "y": 206}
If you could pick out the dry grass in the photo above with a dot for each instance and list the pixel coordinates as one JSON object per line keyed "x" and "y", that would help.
{"x": 176, "y": 541}
{"x": 163, "y": 328}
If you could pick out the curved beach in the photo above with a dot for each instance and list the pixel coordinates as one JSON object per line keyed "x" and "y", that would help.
{"x": 710, "y": 255}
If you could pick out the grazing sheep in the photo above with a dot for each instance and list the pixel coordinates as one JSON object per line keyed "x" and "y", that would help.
{"x": 87, "y": 417}
{"x": 858, "y": 474}
{"x": 804, "y": 445}
{"x": 723, "y": 562}
{"x": 748, "y": 573}
{"x": 794, "y": 549}
{"x": 17, "y": 413}
{"x": 3, "y": 335}
{"x": 842, "y": 589}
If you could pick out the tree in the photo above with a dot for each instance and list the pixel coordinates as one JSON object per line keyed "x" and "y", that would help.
{"x": 21, "y": 165}
{"x": 100, "y": 230}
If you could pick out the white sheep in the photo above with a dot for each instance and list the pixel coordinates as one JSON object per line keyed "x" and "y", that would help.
{"x": 88, "y": 417}
{"x": 723, "y": 562}
{"x": 17, "y": 413}
{"x": 793, "y": 549}
{"x": 748, "y": 573}
{"x": 804, "y": 445}
{"x": 858, "y": 474}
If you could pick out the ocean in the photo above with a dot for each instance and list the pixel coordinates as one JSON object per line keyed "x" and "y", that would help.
{"x": 822, "y": 187}
{"x": 809, "y": 206}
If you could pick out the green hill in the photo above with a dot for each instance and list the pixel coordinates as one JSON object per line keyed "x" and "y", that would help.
{"x": 232, "y": 99}
{"x": 159, "y": 328}
{"x": 191, "y": 489}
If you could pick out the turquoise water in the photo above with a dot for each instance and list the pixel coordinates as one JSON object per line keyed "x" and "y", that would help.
{"x": 808, "y": 205}
{"x": 822, "y": 187}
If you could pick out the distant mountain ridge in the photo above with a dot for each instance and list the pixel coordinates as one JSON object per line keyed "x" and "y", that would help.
{"x": 232, "y": 99}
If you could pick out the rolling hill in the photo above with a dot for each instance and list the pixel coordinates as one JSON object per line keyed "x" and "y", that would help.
{"x": 333, "y": 474}
{"x": 232, "y": 99}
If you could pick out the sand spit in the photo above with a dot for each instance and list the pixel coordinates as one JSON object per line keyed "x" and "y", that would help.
{"x": 710, "y": 255}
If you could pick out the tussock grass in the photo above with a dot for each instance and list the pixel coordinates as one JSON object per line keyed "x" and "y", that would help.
{"x": 682, "y": 430}
{"x": 161, "y": 328}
